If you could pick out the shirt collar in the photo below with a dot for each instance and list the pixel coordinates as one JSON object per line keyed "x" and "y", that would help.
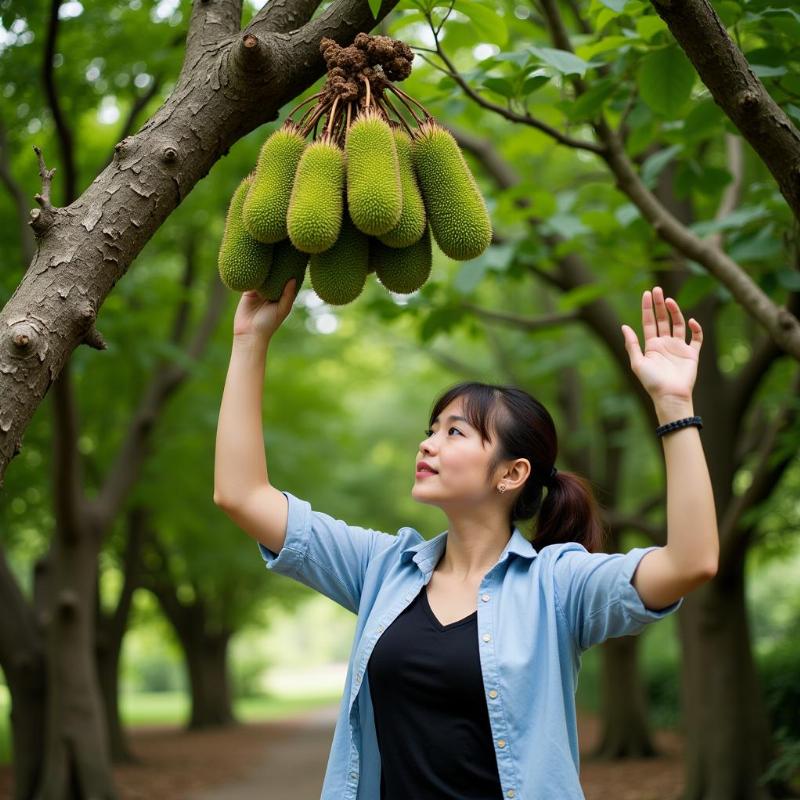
{"x": 427, "y": 553}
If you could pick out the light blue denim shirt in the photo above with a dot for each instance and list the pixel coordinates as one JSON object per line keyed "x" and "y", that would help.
{"x": 537, "y": 612}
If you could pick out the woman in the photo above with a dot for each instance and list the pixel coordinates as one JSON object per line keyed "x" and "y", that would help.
{"x": 465, "y": 661}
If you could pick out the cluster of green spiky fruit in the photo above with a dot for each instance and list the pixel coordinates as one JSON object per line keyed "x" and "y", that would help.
{"x": 369, "y": 195}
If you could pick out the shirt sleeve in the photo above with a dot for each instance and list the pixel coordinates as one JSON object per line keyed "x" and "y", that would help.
{"x": 325, "y": 553}
{"x": 597, "y": 596}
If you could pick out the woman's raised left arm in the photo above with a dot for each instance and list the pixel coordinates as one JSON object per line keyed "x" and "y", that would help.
{"x": 667, "y": 370}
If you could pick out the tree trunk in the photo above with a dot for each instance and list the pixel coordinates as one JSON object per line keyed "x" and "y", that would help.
{"x": 231, "y": 82}
{"x": 77, "y": 759}
{"x": 22, "y": 661}
{"x": 625, "y": 732}
{"x": 110, "y": 631}
{"x": 728, "y": 738}
{"x": 108, "y": 674}
{"x": 207, "y": 662}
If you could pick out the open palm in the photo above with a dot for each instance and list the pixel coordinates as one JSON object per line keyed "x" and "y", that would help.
{"x": 668, "y": 366}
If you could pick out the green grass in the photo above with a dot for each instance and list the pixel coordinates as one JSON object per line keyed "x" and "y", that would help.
{"x": 172, "y": 708}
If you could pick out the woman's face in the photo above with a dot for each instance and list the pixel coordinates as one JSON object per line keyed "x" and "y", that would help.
{"x": 456, "y": 450}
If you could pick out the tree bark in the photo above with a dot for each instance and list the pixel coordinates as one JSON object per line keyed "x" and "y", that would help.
{"x": 204, "y": 644}
{"x": 77, "y": 758}
{"x": 23, "y": 664}
{"x": 728, "y": 740}
{"x": 231, "y": 82}
{"x": 207, "y": 662}
{"x": 737, "y": 90}
{"x": 626, "y": 731}
{"x": 110, "y": 631}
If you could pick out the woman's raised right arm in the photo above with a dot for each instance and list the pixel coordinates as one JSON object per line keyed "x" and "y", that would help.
{"x": 241, "y": 483}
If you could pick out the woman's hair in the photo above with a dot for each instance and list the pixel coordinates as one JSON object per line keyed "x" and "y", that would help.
{"x": 569, "y": 511}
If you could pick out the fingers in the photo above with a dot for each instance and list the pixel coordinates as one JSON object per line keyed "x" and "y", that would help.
{"x": 661, "y": 314}
{"x": 631, "y": 344}
{"x": 697, "y": 334}
{"x": 678, "y": 326}
{"x": 288, "y": 296}
{"x": 648, "y": 317}
{"x": 657, "y": 312}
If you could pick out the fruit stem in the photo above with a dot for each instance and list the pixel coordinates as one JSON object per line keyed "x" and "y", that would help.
{"x": 317, "y": 113}
{"x": 399, "y": 116}
{"x": 401, "y": 96}
{"x": 300, "y": 105}
{"x": 401, "y": 93}
{"x": 332, "y": 116}
{"x": 366, "y": 104}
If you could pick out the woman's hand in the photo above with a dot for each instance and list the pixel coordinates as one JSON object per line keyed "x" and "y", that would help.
{"x": 257, "y": 316}
{"x": 668, "y": 367}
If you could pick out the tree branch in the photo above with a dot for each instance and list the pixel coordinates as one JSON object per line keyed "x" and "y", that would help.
{"x": 211, "y": 22}
{"x": 283, "y": 16}
{"x": 543, "y": 322}
{"x": 736, "y": 89}
{"x": 19, "y": 198}
{"x": 767, "y": 471}
{"x": 215, "y": 103}
{"x": 783, "y": 326}
{"x": 63, "y": 131}
{"x": 527, "y": 119}
{"x": 166, "y": 380}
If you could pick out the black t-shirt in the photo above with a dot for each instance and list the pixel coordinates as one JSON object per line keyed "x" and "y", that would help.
{"x": 431, "y": 718}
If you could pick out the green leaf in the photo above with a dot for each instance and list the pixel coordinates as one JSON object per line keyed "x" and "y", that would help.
{"x": 375, "y": 7}
{"x": 563, "y": 61}
{"x": 501, "y": 86}
{"x": 655, "y": 163}
{"x": 617, "y": 43}
{"x": 782, "y": 11}
{"x": 581, "y": 296}
{"x": 615, "y": 5}
{"x": 694, "y": 289}
{"x": 765, "y": 71}
{"x": 736, "y": 219}
{"x": 489, "y": 27}
{"x": 591, "y": 101}
{"x": 704, "y": 120}
{"x": 534, "y": 82}
{"x": 567, "y": 225}
{"x": 649, "y": 26}
{"x": 762, "y": 245}
{"x": 789, "y": 279}
{"x": 665, "y": 79}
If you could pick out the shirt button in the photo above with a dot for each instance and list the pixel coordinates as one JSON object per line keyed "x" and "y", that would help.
{"x": 501, "y": 742}
{"x": 380, "y": 628}
{"x": 353, "y": 774}
{"x": 510, "y": 793}
{"x": 486, "y": 637}
{"x": 492, "y": 693}
{"x": 485, "y": 598}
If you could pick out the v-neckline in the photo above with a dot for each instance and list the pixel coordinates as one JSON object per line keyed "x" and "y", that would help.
{"x": 435, "y": 621}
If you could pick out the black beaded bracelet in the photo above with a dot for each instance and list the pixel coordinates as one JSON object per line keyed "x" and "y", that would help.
{"x": 679, "y": 423}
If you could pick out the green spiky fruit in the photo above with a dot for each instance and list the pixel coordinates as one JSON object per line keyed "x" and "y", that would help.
{"x": 412, "y": 222}
{"x": 374, "y": 192}
{"x": 287, "y": 262}
{"x": 338, "y": 275}
{"x": 243, "y": 262}
{"x": 267, "y": 201}
{"x": 457, "y": 212}
{"x": 317, "y": 200}
{"x": 402, "y": 270}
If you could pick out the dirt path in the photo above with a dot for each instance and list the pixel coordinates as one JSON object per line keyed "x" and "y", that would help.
{"x": 286, "y": 761}
{"x": 292, "y": 767}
